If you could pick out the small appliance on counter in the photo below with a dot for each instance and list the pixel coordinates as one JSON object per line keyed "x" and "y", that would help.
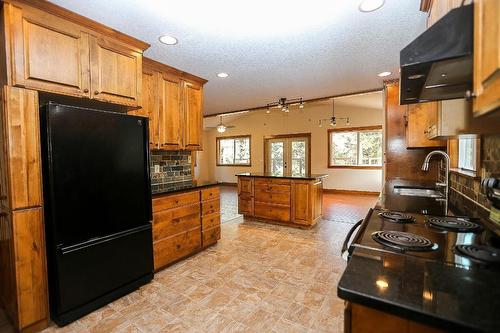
{"x": 97, "y": 195}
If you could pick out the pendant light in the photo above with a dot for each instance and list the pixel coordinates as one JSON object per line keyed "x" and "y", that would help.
{"x": 333, "y": 119}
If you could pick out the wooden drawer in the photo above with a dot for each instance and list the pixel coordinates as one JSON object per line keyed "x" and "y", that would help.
{"x": 210, "y": 207}
{"x": 274, "y": 188}
{"x": 245, "y": 205}
{"x": 245, "y": 185}
{"x": 175, "y": 247}
{"x": 210, "y": 221}
{"x": 264, "y": 195}
{"x": 173, "y": 221}
{"x": 271, "y": 181}
{"x": 210, "y": 193}
{"x": 210, "y": 236}
{"x": 272, "y": 212}
{"x": 175, "y": 200}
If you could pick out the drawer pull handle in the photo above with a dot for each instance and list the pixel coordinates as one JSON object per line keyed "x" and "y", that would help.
{"x": 176, "y": 220}
{"x": 178, "y": 246}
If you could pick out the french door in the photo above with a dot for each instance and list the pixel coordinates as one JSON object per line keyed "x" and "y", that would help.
{"x": 287, "y": 155}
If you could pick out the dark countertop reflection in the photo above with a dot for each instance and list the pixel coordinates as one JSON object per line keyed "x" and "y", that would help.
{"x": 446, "y": 296}
{"x": 180, "y": 187}
{"x": 310, "y": 176}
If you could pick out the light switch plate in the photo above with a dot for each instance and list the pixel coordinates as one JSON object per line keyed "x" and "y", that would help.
{"x": 157, "y": 168}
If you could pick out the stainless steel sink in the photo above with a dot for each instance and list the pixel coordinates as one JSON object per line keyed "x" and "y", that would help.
{"x": 418, "y": 192}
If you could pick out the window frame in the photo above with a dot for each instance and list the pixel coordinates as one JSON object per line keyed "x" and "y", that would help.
{"x": 353, "y": 129}
{"x": 234, "y": 137}
{"x": 286, "y": 137}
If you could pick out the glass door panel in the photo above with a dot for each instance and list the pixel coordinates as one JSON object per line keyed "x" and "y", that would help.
{"x": 287, "y": 156}
{"x": 276, "y": 157}
{"x": 298, "y": 156}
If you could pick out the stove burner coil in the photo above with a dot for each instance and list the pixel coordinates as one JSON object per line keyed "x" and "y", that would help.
{"x": 481, "y": 253}
{"x": 404, "y": 241}
{"x": 454, "y": 224}
{"x": 397, "y": 217}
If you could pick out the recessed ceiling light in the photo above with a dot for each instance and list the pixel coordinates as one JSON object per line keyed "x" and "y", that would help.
{"x": 169, "y": 40}
{"x": 384, "y": 74}
{"x": 366, "y": 6}
{"x": 222, "y": 75}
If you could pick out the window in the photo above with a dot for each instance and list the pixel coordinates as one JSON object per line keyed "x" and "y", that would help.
{"x": 287, "y": 154}
{"x": 359, "y": 147}
{"x": 234, "y": 150}
{"x": 467, "y": 154}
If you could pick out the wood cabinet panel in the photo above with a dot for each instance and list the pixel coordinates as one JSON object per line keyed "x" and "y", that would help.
{"x": 245, "y": 205}
{"x": 317, "y": 188}
{"x": 176, "y": 247}
{"x": 301, "y": 202}
{"x": 150, "y": 107}
{"x": 48, "y": 53}
{"x": 419, "y": 117}
{"x": 486, "y": 56}
{"x": 245, "y": 185}
{"x": 210, "y": 221}
{"x": 210, "y": 236}
{"x": 272, "y": 181}
{"x": 170, "y": 114}
{"x": 210, "y": 193}
{"x": 193, "y": 116}
{"x": 175, "y": 200}
{"x": 30, "y": 266}
{"x": 271, "y": 188}
{"x": 116, "y": 72}
{"x": 272, "y": 212}
{"x": 22, "y": 134}
{"x": 262, "y": 194}
{"x": 172, "y": 221}
{"x": 210, "y": 207}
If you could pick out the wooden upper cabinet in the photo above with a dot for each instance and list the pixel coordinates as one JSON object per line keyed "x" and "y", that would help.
{"x": 116, "y": 72}
{"x": 52, "y": 49}
{"x": 150, "y": 105}
{"x": 418, "y": 118}
{"x": 486, "y": 56}
{"x": 48, "y": 53}
{"x": 170, "y": 116}
{"x": 193, "y": 115}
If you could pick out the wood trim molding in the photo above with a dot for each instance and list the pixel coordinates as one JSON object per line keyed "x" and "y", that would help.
{"x": 287, "y": 136}
{"x": 73, "y": 17}
{"x": 338, "y": 191}
{"x": 350, "y": 129}
{"x": 217, "y": 139}
{"x": 154, "y": 65}
{"x": 425, "y": 5}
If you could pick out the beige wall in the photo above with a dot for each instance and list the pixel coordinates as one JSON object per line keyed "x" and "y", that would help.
{"x": 258, "y": 124}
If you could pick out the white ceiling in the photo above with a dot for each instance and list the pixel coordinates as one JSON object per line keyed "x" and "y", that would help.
{"x": 270, "y": 48}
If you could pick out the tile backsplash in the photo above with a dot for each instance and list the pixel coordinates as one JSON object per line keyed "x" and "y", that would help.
{"x": 173, "y": 167}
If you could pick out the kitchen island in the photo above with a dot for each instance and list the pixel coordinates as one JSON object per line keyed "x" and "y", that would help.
{"x": 294, "y": 200}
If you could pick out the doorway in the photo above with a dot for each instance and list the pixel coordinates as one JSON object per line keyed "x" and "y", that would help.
{"x": 288, "y": 154}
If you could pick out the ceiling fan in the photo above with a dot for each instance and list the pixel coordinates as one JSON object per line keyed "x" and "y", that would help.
{"x": 221, "y": 128}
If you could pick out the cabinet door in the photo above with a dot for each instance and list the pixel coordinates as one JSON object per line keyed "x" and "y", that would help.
{"x": 486, "y": 56}
{"x": 170, "y": 116}
{"x": 193, "y": 116}
{"x": 48, "y": 53}
{"x": 418, "y": 119}
{"x": 31, "y": 273}
{"x": 22, "y": 133}
{"x": 116, "y": 72}
{"x": 301, "y": 202}
{"x": 150, "y": 105}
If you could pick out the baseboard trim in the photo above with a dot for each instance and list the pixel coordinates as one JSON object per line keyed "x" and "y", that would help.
{"x": 337, "y": 191}
{"x": 228, "y": 184}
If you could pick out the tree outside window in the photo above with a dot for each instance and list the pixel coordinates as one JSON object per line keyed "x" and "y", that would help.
{"x": 233, "y": 150}
{"x": 355, "y": 147}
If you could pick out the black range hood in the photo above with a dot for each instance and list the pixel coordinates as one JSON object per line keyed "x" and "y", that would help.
{"x": 438, "y": 64}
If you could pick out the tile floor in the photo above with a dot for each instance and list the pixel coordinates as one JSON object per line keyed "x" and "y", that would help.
{"x": 258, "y": 278}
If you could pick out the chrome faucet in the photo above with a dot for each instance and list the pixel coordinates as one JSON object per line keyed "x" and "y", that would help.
{"x": 425, "y": 167}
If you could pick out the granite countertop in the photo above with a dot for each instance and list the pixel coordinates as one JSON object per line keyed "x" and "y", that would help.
{"x": 431, "y": 292}
{"x": 310, "y": 176}
{"x": 181, "y": 186}
{"x": 392, "y": 201}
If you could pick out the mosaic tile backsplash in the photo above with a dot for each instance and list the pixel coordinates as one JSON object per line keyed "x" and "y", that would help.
{"x": 465, "y": 191}
{"x": 174, "y": 168}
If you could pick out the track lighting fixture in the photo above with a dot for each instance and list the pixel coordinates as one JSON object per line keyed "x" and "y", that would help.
{"x": 333, "y": 119}
{"x": 284, "y": 105}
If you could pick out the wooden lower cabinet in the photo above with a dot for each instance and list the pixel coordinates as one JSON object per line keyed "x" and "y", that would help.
{"x": 184, "y": 223}
{"x": 362, "y": 319}
{"x": 295, "y": 202}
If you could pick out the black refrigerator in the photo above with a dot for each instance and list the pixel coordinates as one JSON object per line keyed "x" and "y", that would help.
{"x": 97, "y": 195}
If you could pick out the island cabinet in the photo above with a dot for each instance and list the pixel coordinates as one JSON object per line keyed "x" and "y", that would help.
{"x": 54, "y": 50}
{"x": 362, "y": 319}
{"x": 184, "y": 223}
{"x": 294, "y": 202}
{"x": 173, "y": 102}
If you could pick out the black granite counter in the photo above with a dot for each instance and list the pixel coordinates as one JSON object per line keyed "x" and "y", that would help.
{"x": 180, "y": 187}
{"x": 310, "y": 176}
{"x": 392, "y": 201}
{"x": 445, "y": 296}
